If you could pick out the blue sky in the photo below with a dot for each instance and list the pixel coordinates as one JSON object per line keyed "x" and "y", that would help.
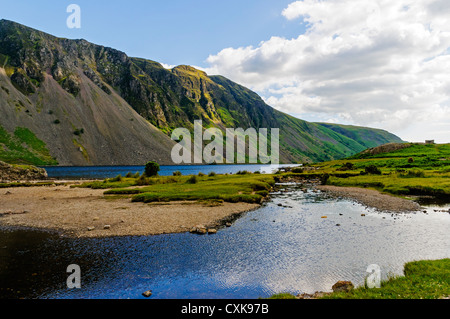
{"x": 172, "y": 31}
{"x": 376, "y": 63}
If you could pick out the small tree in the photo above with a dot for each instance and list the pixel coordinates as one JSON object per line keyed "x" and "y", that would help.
{"x": 151, "y": 169}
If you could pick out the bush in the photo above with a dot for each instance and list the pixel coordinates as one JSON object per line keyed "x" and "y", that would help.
{"x": 137, "y": 175}
{"x": 212, "y": 174}
{"x": 324, "y": 179}
{"x": 129, "y": 175}
{"x": 118, "y": 178}
{"x": 151, "y": 169}
{"x": 201, "y": 174}
{"x": 192, "y": 180}
{"x": 372, "y": 169}
{"x": 297, "y": 170}
{"x": 347, "y": 167}
{"x": 177, "y": 173}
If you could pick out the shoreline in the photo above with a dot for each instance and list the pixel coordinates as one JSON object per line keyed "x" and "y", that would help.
{"x": 372, "y": 198}
{"x": 81, "y": 212}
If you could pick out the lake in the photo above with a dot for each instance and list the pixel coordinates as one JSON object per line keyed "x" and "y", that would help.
{"x": 100, "y": 172}
{"x": 287, "y": 248}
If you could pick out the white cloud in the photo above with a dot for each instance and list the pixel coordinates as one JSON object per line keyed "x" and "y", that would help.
{"x": 377, "y": 63}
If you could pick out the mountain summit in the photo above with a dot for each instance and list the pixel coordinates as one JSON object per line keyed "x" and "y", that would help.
{"x": 91, "y": 105}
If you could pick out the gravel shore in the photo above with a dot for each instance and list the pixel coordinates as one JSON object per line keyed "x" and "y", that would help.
{"x": 84, "y": 212}
{"x": 372, "y": 198}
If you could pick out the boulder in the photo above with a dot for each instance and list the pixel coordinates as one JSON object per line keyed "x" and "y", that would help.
{"x": 343, "y": 286}
{"x": 26, "y": 172}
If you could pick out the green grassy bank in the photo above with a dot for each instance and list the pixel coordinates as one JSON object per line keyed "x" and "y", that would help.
{"x": 426, "y": 279}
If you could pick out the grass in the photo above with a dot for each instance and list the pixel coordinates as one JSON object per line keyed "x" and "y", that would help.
{"x": 418, "y": 169}
{"x": 249, "y": 188}
{"x": 426, "y": 279}
{"x": 23, "y": 147}
{"x": 26, "y": 184}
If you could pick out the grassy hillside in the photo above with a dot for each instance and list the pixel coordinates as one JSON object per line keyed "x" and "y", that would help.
{"x": 23, "y": 147}
{"x": 409, "y": 169}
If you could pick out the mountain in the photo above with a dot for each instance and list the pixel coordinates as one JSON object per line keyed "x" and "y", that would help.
{"x": 93, "y": 105}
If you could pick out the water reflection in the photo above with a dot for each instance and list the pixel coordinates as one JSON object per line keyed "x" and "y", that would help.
{"x": 284, "y": 246}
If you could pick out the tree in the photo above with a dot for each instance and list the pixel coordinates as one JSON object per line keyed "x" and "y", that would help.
{"x": 151, "y": 169}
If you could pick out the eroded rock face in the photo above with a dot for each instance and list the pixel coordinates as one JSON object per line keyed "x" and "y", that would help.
{"x": 13, "y": 173}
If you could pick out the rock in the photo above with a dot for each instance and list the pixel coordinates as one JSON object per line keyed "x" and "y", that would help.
{"x": 199, "y": 229}
{"x": 147, "y": 294}
{"x": 16, "y": 173}
{"x": 324, "y": 217}
{"x": 343, "y": 286}
{"x": 316, "y": 295}
{"x": 212, "y": 231}
{"x": 91, "y": 228}
{"x": 8, "y": 193}
{"x": 363, "y": 215}
{"x": 228, "y": 224}
{"x": 95, "y": 218}
{"x": 107, "y": 227}
{"x": 338, "y": 225}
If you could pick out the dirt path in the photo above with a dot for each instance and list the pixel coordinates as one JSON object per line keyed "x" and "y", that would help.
{"x": 77, "y": 210}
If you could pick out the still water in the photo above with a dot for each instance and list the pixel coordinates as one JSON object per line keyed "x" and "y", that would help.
{"x": 287, "y": 248}
{"x": 100, "y": 172}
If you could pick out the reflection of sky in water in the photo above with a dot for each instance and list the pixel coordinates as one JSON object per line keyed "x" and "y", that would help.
{"x": 270, "y": 250}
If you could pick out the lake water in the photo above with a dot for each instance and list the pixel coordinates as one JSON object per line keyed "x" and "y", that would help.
{"x": 99, "y": 172}
{"x": 273, "y": 249}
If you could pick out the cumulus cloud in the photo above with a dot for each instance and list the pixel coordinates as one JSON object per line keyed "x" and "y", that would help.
{"x": 376, "y": 63}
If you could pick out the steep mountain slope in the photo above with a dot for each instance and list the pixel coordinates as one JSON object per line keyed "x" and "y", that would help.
{"x": 93, "y": 105}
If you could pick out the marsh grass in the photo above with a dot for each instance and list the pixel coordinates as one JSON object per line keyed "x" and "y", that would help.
{"x": 249, "y": 188}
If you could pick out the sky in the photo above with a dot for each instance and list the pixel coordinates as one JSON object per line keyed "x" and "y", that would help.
{"x": 377, "y": 63}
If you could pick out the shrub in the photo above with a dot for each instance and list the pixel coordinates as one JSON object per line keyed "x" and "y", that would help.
{"x": 129, "y": 175}
{"x": 192, "y": 180}
{"x": 297, "y": 170}
{"x": 177, "y": 173}
{"x": 78, "y": 131}
{"x": 372, "y": 169}
{"x": 201, "y": 174}
{"x": 151, "y": 169}
{"x": 137, "y": 175}
{"x": 118, "y": 178}
{"x": 347, "y": 167}
{"x": 212, "y": 174}
{"x": 324, "y": 179}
